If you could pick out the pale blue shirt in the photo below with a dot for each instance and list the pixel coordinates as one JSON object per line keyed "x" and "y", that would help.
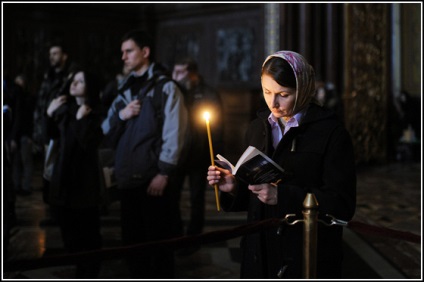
{"x": 277, "y": 135}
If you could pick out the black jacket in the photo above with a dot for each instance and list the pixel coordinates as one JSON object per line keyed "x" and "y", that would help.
{"x": 319, "y": 153}
{"x": 75, "y": 181}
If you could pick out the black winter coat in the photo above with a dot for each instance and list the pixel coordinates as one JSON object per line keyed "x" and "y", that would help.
{"x": 75, "y": 181}
{"x": 320, "y": 155}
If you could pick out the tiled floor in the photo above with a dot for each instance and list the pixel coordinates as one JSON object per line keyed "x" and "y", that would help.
{"x": 388, "y": 196}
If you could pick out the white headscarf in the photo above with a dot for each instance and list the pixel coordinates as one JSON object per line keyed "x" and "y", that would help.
{"x": 305, "y": 77}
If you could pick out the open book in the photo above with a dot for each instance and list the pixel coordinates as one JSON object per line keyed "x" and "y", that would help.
{"x": 254, "y": 167}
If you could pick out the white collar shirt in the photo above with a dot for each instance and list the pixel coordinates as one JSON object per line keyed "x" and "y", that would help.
{"x": 277, "y": 133}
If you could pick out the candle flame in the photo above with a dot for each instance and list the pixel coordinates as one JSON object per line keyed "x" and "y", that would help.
{"x": 206, "y": 115}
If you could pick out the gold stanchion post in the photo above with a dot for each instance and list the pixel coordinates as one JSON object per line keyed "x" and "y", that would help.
{"x": 310, "y": 225}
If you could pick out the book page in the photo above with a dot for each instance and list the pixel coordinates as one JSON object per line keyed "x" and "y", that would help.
{"x": 250, "y": 153}
{"x": 258, "y": 170}
{"x": 247, "y": 155}
{"x": 224, "y": 163}
{"x": 271, "y": 161}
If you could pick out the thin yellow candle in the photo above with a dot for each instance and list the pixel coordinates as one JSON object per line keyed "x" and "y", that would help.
{"x": 206, "y": 116}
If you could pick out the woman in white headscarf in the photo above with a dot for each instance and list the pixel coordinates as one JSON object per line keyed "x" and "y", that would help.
{"x": 312, "y": 144}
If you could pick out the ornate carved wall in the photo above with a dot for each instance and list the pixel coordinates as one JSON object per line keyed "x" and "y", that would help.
{"x": 366, "y": 79}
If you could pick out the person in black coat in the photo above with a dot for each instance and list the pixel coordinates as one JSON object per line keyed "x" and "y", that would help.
{"x": 75, "y": 121}
{"x": 198, "y": 97}
{"x": 10, "y": 93}
{"x": 309, "y": 142}
{"x": 22, "y": 145}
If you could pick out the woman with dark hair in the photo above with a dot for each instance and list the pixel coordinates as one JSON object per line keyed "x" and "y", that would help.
{"x": 75, "y": 121}
{"x": 309, "y": 142}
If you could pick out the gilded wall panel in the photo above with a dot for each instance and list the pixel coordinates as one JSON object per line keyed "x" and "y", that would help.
{"x": 366, "y": 73}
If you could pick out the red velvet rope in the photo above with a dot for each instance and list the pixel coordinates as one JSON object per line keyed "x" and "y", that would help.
{"x": 383, "y": 232}
{"x": 181, "y": 242}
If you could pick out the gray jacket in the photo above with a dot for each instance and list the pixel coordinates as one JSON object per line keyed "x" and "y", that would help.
{"x": 175, "y": 119}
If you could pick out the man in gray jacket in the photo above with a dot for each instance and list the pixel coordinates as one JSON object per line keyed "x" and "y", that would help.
{"x": 147, "y": 124}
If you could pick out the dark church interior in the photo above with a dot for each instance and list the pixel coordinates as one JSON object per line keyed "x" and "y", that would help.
{"x": 366, "y": 57}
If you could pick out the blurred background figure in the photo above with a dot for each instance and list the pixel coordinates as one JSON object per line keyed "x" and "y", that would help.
{"x": 327, "y": 96}
{"x": 10, "y": 93}
{"x": 199, "y": 97}
{"x": 106, "y": 152}
{"x": 408, "y": 108}
{"x": 74, "y": 120}
{"x": 56, "y": 82}
{"x": 407, "y": 127}
{"x": 22, "y": 149}
{"x": 110, "y": 91}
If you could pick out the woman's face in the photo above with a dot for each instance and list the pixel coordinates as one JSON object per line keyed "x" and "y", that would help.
{"x": 77, "y": 88}
{"x": 280, "y": 99}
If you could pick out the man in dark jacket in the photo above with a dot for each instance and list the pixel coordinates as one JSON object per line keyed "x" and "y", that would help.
{"x": 56, "y": 82}
{"x": 147, "y": 125}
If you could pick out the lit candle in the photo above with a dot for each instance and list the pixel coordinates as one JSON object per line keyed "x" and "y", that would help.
{"x": 206, "y": 116}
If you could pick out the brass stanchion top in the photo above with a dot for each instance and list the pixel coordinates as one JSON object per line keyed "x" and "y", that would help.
{"x": 310, "y": 201}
